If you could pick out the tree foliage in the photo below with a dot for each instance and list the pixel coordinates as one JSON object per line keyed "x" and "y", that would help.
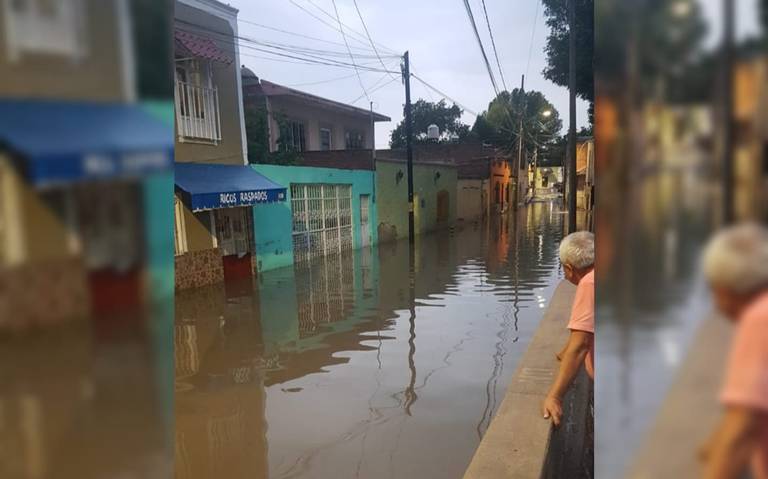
{"x": 257, "y": 136}
{"x": 425, "y": 113}
{"x": 651, "y": 44}
{"x": 500, "y": 123}
{"x": 557, "y": 48}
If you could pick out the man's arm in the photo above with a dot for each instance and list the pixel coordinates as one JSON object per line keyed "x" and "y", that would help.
{"x": 734, "y": 442}
{"x": 572, "y": 359}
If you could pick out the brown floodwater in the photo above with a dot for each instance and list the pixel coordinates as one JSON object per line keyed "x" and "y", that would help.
{"x": 341, "y": 368}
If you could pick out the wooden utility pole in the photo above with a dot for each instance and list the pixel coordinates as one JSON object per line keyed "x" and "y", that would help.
{"x": 727, "y": 118}
{"x": 519, "y": 163}
{"x": 572, "y": 115}
{"x": 409, "y": 144}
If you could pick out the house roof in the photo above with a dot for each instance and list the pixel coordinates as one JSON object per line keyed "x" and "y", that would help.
{"x": 273, "y": 89}
{"x": 199, "y": 46}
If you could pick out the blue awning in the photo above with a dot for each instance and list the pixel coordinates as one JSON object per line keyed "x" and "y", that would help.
{"x": 61, "y": 142}
{"x": 205, "y": 186}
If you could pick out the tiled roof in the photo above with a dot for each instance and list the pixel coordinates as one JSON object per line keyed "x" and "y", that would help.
{"x": 200, "y": 46}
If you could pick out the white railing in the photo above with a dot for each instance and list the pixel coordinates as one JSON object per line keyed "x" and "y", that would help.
{"x": 197, "y": 113}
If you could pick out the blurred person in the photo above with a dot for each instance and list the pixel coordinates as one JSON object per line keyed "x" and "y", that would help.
{"x": 577, "y": 254}
{"x": 736, "y": 267}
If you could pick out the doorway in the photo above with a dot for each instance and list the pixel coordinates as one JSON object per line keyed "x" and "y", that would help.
{"x": 232, "y": 235}
{"x": 365, "y": 228}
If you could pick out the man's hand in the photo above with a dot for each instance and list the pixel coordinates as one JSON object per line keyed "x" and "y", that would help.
{"x": 552, "y": 407}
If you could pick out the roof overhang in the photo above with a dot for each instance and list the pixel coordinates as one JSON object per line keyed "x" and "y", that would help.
{"x": 274, "y": 90}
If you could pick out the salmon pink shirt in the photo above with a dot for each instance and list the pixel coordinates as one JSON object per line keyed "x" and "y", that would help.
{"x": 746, "y": 379}
{"x": 583, "y": 316}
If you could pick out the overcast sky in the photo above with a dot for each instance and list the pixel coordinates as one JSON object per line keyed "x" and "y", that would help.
{"x": 442, "y": 46}
{"x": 439, "y": 37}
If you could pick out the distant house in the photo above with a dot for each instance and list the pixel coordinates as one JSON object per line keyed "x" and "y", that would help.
{"x": 435, "y": 178}
{"x": 330, "y": 197}
{"x": 306, "y": 122}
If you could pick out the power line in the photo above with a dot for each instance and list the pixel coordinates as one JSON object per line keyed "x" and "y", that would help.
{"x": 306, "y": 57}
{"x": 480, "y": 43}
{"x": 249, "y": 22}
{"x": 341, "y": 29}
{"x": 367, "y": 33}
{"x": 443, "y": 94}
{"x": 533, "y": 33}
{"x": 375, "y": 89}
{"x": 324, "y": 22}
{"x": 329, "y": 80}
{"x": 493, "y": 43}
{"x": 350, "y": 29}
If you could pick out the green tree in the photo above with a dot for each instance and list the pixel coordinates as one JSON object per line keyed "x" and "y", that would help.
{"x": 152, "y": 42}
{"x": 648, "y": 45}
{"x": 257, "y": 137}
{"x": 556, "y": 49}
{"x": 500, "y": 123}
{"x": 425, "y": 113}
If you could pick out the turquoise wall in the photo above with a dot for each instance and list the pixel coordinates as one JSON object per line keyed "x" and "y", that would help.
{"x": 273, "y": 222}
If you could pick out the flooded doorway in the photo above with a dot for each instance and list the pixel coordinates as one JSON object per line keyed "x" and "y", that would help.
{"x": 233, "y": 230}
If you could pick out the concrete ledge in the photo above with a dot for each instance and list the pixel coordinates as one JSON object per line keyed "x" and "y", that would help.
{"x": 690, "y": 411}
{"x": 521, "y": 444}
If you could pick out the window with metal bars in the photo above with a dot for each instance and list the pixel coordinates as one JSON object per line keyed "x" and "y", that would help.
{"x": 322, "y": 219}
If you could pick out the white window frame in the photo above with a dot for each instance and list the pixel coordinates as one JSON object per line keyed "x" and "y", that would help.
{"x": 197, "y": 101}
{"x": 33, "y": 31}
{"x": 302, "y": 131}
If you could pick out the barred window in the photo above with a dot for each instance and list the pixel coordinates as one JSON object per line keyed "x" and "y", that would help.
{"x": 322, "y": 219}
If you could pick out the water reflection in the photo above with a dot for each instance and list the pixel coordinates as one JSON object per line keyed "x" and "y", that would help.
{"x": 342, "y": 369}
{"x": 650, "y": 302}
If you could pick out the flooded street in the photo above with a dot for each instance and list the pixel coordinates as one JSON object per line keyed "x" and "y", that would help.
{"x": 648, "y": 312}
{"x": 340, "y": 369}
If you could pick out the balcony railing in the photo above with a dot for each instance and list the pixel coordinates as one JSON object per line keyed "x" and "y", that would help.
{"x": 197, "y": 113}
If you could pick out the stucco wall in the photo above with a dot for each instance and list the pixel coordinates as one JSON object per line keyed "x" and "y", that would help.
{"x": 273, "y": 222}
{"x": 97, "y": 76}
{"x": 226, "y": 79}
{"x": 315, "y": 118}
{"x": 471, "y": 199}
{"x": 392, "y": 201}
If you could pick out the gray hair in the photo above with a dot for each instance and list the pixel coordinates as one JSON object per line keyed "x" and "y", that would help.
{"x": 578, "y": 250}
{"x": 736, "y": 259}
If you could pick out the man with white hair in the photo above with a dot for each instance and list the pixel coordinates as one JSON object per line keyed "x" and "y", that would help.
{"x": 577, "y": 254}
{"x": 736, "y": 266}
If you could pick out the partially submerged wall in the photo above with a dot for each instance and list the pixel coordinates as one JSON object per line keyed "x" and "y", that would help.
{"x": 520, "y": 443}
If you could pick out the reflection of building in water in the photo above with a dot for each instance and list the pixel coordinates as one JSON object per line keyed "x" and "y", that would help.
{"x": 324, "y": 294}
{"x": 220, "y": 424}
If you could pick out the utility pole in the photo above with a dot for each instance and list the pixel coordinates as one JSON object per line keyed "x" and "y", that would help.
{"x": 409, "y": 144}
{"x": 727, "y": 118}
{"x": 572, "y": 115}
{"x": 516, "y": 197}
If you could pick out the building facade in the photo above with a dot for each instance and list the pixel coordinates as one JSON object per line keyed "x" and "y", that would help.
{"x": 305, "y": 122}
{"x": 327, "y": 211}
{"x": 435, "y": 186}
{"x": 215, "y": 189}
{"x": 80, "y": 166}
